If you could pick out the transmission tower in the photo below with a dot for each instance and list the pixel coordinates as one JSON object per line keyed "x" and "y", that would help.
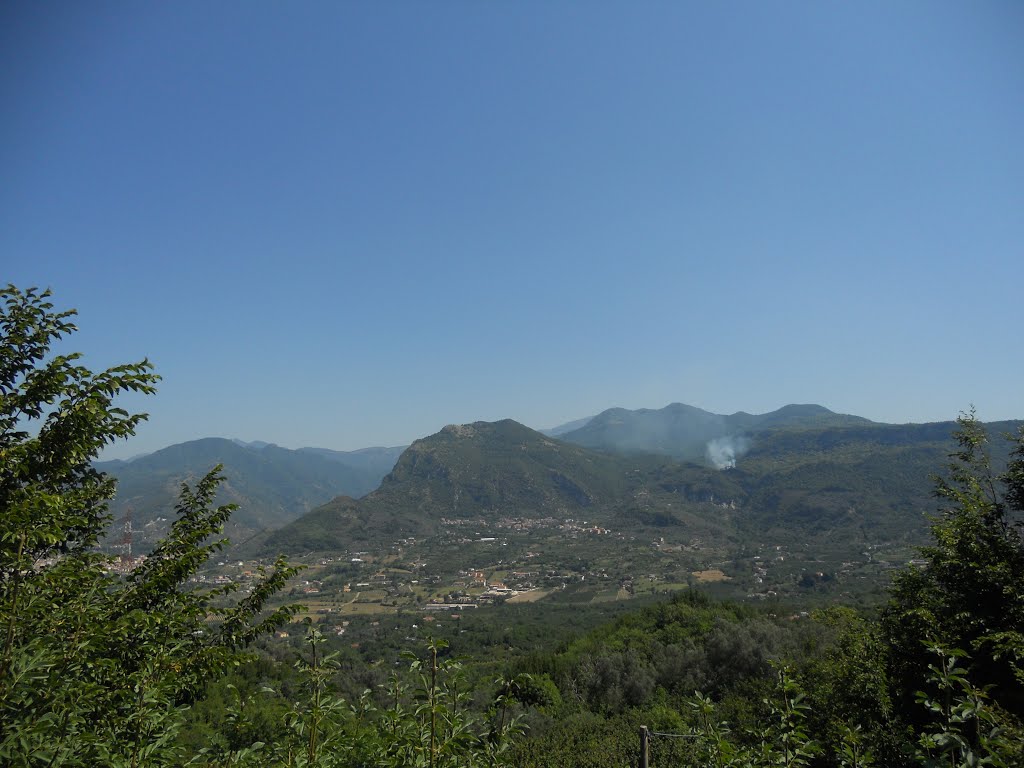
{"x": 124, "y": 543}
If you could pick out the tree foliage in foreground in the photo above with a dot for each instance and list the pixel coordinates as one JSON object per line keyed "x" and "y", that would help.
{"x": 423, "y": 717}
{"x": 969, "y": 594}
{"x": 95, "y": 669}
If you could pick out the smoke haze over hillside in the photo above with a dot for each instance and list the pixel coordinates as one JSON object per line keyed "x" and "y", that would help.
{"x": 724, "y": 451}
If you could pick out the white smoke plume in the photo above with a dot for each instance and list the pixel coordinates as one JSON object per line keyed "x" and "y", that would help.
{"x": 723, "y": 451}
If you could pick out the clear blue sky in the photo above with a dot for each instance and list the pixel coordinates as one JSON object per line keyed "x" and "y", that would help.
{"x": 349, "y": 224}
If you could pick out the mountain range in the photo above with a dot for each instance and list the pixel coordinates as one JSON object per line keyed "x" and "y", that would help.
{"x": 270, "y": 484}
{"x": 685, "y": 432}
{"x": 801, "y": 469}
{"x": 852, "y": 483}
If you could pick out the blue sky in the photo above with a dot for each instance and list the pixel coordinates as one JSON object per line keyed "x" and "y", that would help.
{"x": 349, "y": 224}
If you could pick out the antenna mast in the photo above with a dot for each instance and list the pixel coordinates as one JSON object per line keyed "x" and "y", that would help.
{"x": 125, "y": 542}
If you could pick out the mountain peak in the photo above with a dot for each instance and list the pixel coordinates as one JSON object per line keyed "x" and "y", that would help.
{"x": 804, "y": 409}
{"x": 255, "y": 445}
{"x": 460, "y": 430}
{"x": 504, "y": 428}
{"x": 468, "y": 471}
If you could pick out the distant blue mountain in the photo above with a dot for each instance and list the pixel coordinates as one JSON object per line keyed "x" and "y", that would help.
{"x": 567, "y": 427}
{"x": 271, "y": 485}
{"x": 688, "y": 433}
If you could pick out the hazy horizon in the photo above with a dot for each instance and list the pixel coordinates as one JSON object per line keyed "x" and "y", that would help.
{"x": 122, "y": 450}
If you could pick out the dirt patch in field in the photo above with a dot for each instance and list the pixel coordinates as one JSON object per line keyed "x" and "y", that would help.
{"x": 529, "y": 597}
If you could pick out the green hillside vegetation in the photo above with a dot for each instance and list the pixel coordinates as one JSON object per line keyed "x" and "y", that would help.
{"x": 683, "y": 431}
{"x": 271, "y": 485}
{"x": 825, "y": 494}
{"x": 464, "y": 471}
{"x": 876, "y": 478}
{"x": 500, "y": 466}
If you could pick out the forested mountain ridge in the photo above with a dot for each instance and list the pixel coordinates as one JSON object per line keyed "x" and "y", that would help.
{"x": 863, "y": 482}
{"x": 799, "y": 470}
{"x": 463, "y": 471}
{"x": 684, "y": 431}
{"x": 866, "y": 478}
{"x": 271, "y": 485}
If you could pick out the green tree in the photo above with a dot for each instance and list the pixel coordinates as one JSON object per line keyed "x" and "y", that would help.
{"x": 970, "y": 593}
{"x": 966, "y": 730}
{"x": 95, "y": 669}
{"x": 848, "y": 689}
